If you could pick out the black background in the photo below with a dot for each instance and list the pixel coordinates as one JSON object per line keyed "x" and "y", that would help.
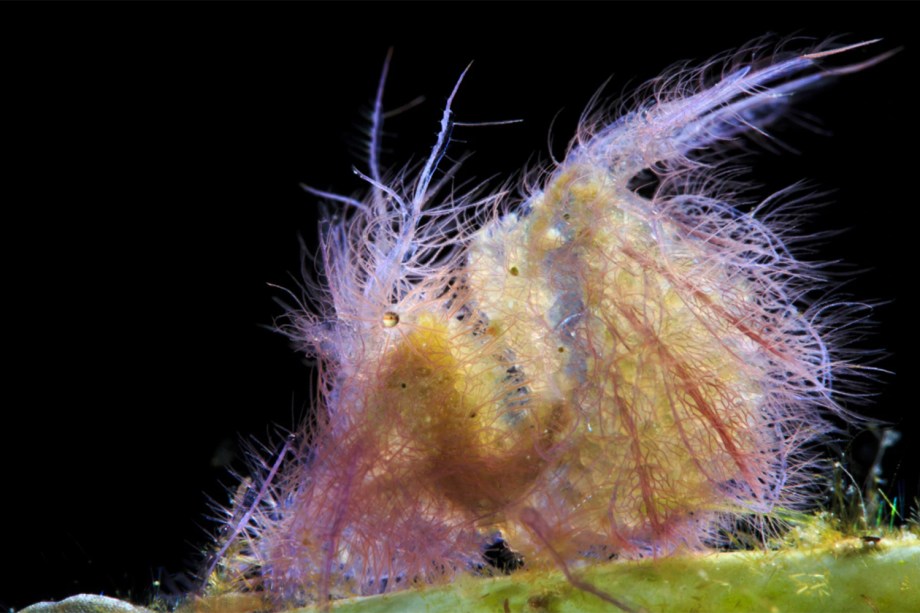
{"x": 158, "y": 151}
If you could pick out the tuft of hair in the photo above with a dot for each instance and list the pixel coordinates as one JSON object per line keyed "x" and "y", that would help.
{"x": 592, "y": 371}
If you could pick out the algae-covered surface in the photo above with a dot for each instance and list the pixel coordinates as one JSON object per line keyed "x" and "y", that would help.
{"x": 852, "y": 575}
{"x": 849, "y": 575}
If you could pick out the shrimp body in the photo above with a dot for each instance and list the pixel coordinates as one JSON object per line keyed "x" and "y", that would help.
{"x": 590, "y": 371}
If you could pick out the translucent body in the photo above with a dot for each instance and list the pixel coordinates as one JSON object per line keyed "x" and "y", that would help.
{"x": 588, "y": 372}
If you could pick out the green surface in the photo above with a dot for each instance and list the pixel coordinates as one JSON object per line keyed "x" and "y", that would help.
{"x": 849, "y": 576}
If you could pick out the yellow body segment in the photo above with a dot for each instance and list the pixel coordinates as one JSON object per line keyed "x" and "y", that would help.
{"x": 650, "y": 371}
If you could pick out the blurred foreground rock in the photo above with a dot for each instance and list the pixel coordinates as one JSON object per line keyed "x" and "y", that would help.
{"x": 86, "y": 603}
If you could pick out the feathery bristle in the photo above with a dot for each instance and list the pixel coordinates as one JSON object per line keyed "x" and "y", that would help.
{"x": 588, "y": 372}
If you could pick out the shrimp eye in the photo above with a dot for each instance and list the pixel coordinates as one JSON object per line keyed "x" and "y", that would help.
{"x": 390, "y": 319}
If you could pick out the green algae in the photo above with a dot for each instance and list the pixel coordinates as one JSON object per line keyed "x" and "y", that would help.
{"x": 850, "y": 575}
